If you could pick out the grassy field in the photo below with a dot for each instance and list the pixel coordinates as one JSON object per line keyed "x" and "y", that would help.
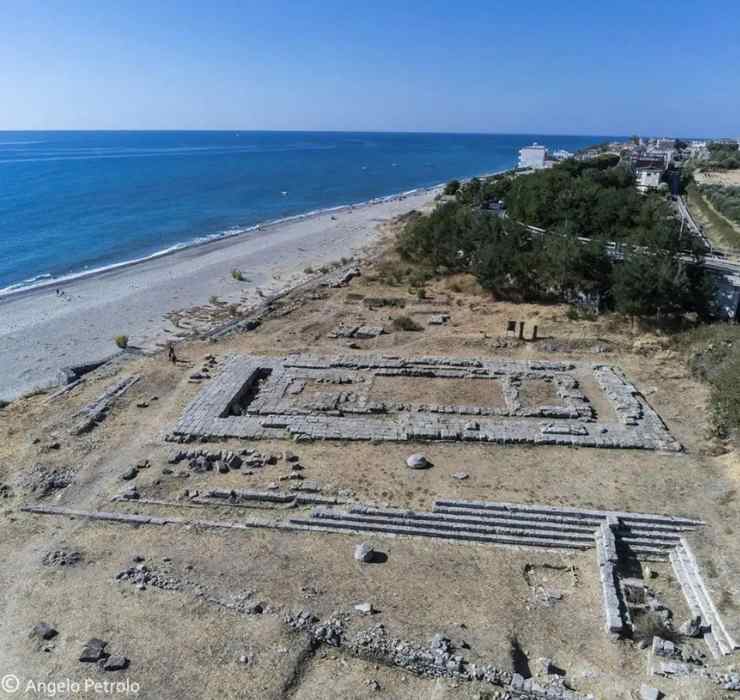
{"x": 717, "y": 228}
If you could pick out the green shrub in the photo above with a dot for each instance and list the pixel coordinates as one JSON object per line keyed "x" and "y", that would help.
{"x": 308, "y": 270}
{"x": 213, "y": 299}
{"x": 237, "y": 275}
{"x": 121, "y": 341}
{"x": 713, "y": 353}
{"x": 452, "y": 187}
{"x": 421, "y": 293}
{"x": 406, "y": 323}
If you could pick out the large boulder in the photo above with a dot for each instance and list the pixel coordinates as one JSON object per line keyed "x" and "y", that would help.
{"x": 418, "y": 461}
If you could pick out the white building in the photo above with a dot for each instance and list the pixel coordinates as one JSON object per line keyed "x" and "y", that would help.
{"x": 533, "y": 157}
{"x": 648, "y": 178}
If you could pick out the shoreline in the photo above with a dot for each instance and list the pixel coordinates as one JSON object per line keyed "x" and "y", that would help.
{"x": 42, "y": 331}
{"x": 46, "y": 280}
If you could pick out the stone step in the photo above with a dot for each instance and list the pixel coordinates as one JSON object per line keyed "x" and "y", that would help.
{"x": 447, "y": 526}
{"x": 572, "y": 515}
{"x": 683, "y": 579}
{"x": 662, "y": 532}
{"x": 658, "y": 542}
{"x": 328, "y": 525}
{"x": 687, "y": 572}
{"x": 472, "y": 519}
{"x": 577, "y": 513}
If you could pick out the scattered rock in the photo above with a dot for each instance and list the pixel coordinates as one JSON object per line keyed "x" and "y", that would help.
{"x": 61, "y": 557}
{"x": 365, "y": 608}
{"x": 244, "y": 659}
{"x": 94, "y": 650}
{"x": 288, "y": 456}
{"x": 115, "y": 663}
{"x": 130, "y": 473}
{"x": 373, "y": 685}
{"x": 649, "y": 693}
{"x": 692, "y": 627}
{"x": 418, "y": 461}
{"x": 44, "y": 631}
{"x": 364, "y": 552}
{"x": 131, "y": 494}
{"x": 441, "y": 643}
{"x": 460, "y": 476}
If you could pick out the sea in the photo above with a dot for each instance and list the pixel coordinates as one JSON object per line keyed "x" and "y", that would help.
{"x": 72, "y": 202}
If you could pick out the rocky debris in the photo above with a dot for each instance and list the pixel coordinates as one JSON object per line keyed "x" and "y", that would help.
{"x": 244, "y": 659}
{"x": 356, "y": 332}
{"x": 664, "y": 647}
{"x": 62, "y": 557}
{"x": 441, "y": 643}
{"x": 289, "y": 456}
{"x": 43, "y": 631}
{"x": 97, "y": 411}
{"x": 344, "y": 278}
{"x": 130, "y": 494}
{"x": 130, "y": 473}
{"x": 417, "y": 461}
{"x": 372, "y": 684}
{"x": 647, "y": 692}
{"x": 460, "y": 476}
{"x": 141, "y": 576}
{"x": 438, "y": 320}
{"x": 115, "y": 663}
{"x": 692, "y": 627}
{"x": 44, "y": 480}
{"x": 5, "y": 491}
{"x": 201, "y": 461}
{"x": 94, "y": 651}
{"x": 143, "y": 464}
{"x": 364, "y": 553}
{"x": 365, "y": 608}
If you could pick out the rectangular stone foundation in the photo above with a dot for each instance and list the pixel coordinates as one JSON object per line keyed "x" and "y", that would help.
{"x": 309, "y": 397}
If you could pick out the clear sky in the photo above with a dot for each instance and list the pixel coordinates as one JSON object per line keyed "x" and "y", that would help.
{"x": 570, "y": 67}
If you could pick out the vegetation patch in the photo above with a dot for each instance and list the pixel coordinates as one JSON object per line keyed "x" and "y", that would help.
{"x": 714, "y": 357}
{"x": 406, "y": 323}
{"x": 587, "y": 208}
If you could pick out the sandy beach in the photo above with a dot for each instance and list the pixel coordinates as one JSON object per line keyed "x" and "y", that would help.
{"x": 42, "y": 331}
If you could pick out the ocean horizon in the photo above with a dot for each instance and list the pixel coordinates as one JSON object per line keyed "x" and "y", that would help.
{"x": 76, "y": 201}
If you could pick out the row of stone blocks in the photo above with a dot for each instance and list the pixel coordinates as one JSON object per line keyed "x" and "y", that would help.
{"x": 717, "y": 637}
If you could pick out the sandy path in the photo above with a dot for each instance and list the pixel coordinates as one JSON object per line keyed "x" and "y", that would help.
{"x": 40, "y": 332}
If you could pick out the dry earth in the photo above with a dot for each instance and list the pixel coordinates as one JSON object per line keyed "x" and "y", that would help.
{"x": 188, "y": 643}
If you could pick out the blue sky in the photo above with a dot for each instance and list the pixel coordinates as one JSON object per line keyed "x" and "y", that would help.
{"x": 477, "y": 65}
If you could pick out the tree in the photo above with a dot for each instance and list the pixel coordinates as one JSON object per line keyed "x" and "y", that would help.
{"x": 452, "y": 187}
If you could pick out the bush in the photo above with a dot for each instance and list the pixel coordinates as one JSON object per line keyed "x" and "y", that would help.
{"x": 452, "y": 187}
{"x": 121, "y": 341}
{"x": 421, "y": 293}
{"x": 713, "y": 354}
{"x": 213, "y": 299}
{"x": 237, "y": 275}
{"x": 406, "y": 323}
{"x": 308, "y": 270}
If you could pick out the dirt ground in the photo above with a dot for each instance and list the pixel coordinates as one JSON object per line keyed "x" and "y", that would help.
{"x": 189, "y": 643}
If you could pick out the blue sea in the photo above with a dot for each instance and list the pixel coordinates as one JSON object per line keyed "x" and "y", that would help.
{"x": 72, "y": 202}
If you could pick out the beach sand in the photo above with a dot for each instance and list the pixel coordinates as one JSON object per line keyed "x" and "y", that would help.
{"x": 42, "y": 331}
